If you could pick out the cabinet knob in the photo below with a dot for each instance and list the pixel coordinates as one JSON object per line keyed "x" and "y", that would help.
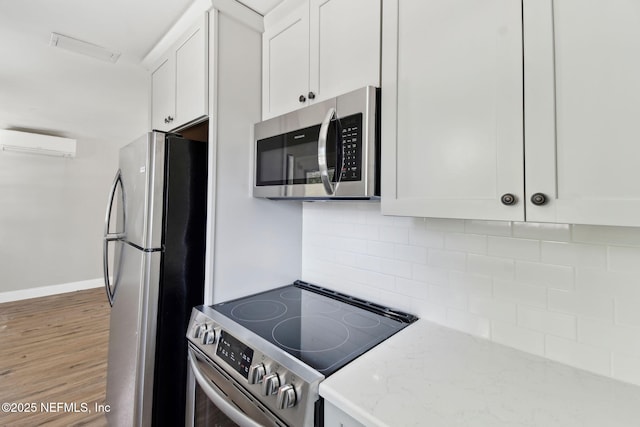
{"x": 508, "y": 199}
{"x": 170, "y": 119}
{"x": 311, "y": 95}
{"x": 539, "y": 199}
{"x": 166, "y": 119}
{"x": 302, "y": 98}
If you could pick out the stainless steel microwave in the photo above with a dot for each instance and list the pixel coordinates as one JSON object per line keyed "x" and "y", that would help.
{"x": 326, "y": 151}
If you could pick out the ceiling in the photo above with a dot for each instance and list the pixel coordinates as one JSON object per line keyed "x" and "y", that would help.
{"x": 54, "y": 91}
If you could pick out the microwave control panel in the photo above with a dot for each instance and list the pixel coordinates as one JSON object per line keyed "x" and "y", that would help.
{"x": 351, "y": 136}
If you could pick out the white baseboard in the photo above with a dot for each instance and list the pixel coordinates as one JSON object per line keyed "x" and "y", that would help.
{"x": 50, "y": 290}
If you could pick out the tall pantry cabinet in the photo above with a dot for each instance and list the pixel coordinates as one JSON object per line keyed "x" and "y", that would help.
{"x": 510, "y": 110}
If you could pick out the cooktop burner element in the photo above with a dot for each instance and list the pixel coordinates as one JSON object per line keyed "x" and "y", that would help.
{"x": 324, "y": 329}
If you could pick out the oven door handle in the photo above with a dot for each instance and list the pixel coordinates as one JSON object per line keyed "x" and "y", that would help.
{"x": 322, "y": 152}
{"x": 219, "y": 400}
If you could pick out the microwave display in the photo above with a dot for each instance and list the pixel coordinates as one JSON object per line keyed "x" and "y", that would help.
{"x": 292, "y": 157}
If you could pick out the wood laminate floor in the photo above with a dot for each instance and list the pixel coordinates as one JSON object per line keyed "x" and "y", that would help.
{"x": 53, "y": 360}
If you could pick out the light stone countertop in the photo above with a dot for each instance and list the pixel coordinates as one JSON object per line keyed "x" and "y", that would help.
{"x": 432, "y": 376}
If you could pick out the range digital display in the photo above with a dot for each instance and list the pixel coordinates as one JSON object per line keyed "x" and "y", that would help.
{"x": 235, "y": 353}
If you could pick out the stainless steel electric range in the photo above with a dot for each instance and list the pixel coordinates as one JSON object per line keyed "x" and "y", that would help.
{"x": 259, "y": 360}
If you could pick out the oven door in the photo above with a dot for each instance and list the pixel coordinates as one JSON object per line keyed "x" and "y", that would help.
{"x": 216, "y": 399}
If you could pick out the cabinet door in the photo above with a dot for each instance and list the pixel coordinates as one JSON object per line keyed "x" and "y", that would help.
{"x": 452, "y": 132}
{"x": 582, "y": 110}
{"x": 163, "y": 95}
{"x": 334, "y": 417}
{"x": 192, "y": 75}
{"x": 344, "y": 46}
{"x": 285, "y": 63}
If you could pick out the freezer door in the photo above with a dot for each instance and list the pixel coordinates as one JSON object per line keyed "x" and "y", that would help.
{"x": 130, "y": 369}
{"x": 142, "y": 176}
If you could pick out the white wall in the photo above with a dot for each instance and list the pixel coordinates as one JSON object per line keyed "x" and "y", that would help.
{"x": 566, "y": 292}
{"x": 52, "y": 209}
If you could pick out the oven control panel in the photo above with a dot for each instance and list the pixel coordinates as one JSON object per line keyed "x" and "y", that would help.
{"x": 277, "y": 387}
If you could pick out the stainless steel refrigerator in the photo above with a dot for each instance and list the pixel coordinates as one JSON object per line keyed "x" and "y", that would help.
{"x": 154, "y": 252}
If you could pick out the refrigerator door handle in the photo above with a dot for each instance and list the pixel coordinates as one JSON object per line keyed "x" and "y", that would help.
{"x": 110, "y": 237}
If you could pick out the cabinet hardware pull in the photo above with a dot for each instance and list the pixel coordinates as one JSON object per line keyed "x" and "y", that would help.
{"x": 539, "y": 199}
{"x": 302, "y": 98}
{"x": 508, "y": 199}
{"x": 170, "y": 119}
{"x": 312, "y": 95}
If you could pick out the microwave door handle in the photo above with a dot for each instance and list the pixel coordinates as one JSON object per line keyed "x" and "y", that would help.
{"x": 220, "y": 401}
{"x": 322, "y": 151}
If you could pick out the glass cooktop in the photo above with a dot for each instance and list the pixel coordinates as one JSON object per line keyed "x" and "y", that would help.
{"x": 323, "y": 328}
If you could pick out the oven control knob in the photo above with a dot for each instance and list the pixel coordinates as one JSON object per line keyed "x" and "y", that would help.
{"x": 286, "y": 397}
{"x": 199, "y": 330}
{"x": 270, "y": 384}
{"x": 209, "y": 337}
{"x": 256, "y": 373}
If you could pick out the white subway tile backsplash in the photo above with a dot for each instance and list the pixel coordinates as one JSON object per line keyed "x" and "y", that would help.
{"x": 396, "y": 268}
{"x": 568, "y": 292}
{"x": 417, "y": 254}
{"x": 542, "y": 231}
{"x": 394, "y": 234}
{"x": 381, "y": 249}
{"x": 503, "y": 268}
{"x": 446, "y": 259}
{"x": 606, "y": 235}
{"x": 447, "y": 297}
{"x": 517, "y": 337}
{"x": 470, "y": 323}
{"x": 472, "y": 243}
{"x": 626, "y": 368}
{"x": 445, "y": 224}
{"x": 470, "y": 283}
{"x": 506, "y": 247}
{"x": 490, "y": 228}
{"x": 611, "y": 283}
{"x": 426, "y": 309}
{"x": 575, "y": 254}
{"x": 551, "y": 276}
{"x": 627, "y": 311}
{"x": 607, "y": 335}
{"x": 427, "y": 238}
{"x": 583, "y": 356}
{"x": 520, "y": 292}
{"x": 493, "y": 308}
{"x": 624, "y": 259}
{"x": 412, "y": 288}
{"x": 431, "y": 275}
{"x": 558, "y": 324}
{"x": 380, "y": 280}
{"x": 581, "y": 303}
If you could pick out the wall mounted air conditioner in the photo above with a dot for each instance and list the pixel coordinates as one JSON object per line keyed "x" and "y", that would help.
{"x": 25, "y": 142}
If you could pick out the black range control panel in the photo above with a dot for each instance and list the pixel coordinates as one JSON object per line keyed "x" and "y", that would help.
{"x": 235, "y": 353}
{"x": 351, "y": 137}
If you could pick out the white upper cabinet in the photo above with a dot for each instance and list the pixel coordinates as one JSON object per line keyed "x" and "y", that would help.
{"x": 582, "y": 109}
{"x": 344, "y": 46}
{"x": 179, "y": 85}
{"x": 285, "y": 63}
{"x": 452, "y": 122}
{"x": 319, "y": 50}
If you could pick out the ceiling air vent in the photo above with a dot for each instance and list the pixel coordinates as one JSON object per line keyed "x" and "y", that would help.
{"x": 34, "y": 143}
